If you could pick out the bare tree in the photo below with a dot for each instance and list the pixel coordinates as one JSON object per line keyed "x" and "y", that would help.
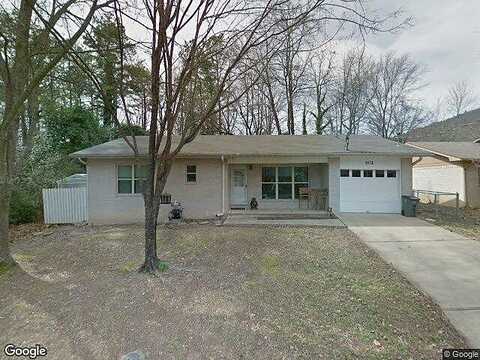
{"x": 351, "y": 94}
{"x": 392, "y": 107}
{"x": 321, "y": 75}
{"x": 20, "y": 80}
{"x": 461, "y": 97}
{"x": 292, "y": 62}
{"x": 243, "y": 26}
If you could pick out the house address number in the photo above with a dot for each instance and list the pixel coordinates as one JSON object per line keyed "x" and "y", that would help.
{"x": 369, "y": 162}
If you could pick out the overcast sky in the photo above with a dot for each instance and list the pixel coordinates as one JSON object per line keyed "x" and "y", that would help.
{"x": 445, "y": 38}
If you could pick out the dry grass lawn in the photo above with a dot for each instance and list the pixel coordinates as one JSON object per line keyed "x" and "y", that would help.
{"x": 230, "y": 293}
{"x": 466, "y": 222}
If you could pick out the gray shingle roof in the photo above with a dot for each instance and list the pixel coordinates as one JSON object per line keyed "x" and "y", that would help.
{"x": 464, "y": 127}
{"x": 258, "y": 145}
{"x": 459, "y": 150}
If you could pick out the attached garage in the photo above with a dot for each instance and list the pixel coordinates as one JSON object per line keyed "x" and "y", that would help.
{"x": 370, "y": 184}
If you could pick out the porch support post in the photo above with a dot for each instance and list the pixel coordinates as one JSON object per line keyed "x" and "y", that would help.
{"x": 223, "y": 185}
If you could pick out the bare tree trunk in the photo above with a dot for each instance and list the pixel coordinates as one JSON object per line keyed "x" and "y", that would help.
{"x": 304, "y": 119}
{"x": 5, "y": 257}
{"x": 152, "y": 198}
{"x": 8, "y": 141}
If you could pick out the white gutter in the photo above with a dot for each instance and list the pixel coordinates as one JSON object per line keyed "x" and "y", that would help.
{"x": 417, "y": 161}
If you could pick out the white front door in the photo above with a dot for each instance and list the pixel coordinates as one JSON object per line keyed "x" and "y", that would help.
{"x": 239, "y": 186}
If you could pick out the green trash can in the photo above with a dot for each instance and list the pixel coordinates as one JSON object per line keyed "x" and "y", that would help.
{"x": 409, "y": 205}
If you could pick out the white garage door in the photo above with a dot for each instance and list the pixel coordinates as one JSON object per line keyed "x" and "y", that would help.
{"x": 375, "y": 189}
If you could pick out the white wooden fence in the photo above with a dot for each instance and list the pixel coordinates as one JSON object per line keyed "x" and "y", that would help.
{"x": 65, "y": 206}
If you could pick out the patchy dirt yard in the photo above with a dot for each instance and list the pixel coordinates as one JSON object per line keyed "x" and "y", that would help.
{"x": 230, "y": 293}
{"x": 466, "y": 222}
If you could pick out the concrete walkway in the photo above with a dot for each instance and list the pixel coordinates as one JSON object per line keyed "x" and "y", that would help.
{"x": 281, "y": 217}
{"x": 443, "y": 264}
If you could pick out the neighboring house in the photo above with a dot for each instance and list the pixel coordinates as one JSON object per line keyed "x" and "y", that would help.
{"x": 464, "y": 127}
{"x": 73, "y": 181}
{"x": 214, "y": 174}
{"x": 453, "y": 167}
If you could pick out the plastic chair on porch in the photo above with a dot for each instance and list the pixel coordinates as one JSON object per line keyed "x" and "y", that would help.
{"x": 304, "y": 195}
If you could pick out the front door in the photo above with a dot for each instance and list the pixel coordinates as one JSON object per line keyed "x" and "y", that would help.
{"x": 239, "y": 186}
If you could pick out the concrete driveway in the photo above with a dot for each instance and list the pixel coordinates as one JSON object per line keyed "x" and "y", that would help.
{"x": 444, "y": 265}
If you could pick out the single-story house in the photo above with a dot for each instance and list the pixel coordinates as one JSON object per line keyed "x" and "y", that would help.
{"x": 452, "y": 167}
{"x": 216, "y": 173}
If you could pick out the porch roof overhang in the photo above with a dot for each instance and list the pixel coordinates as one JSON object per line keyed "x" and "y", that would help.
{"x": 279, "y": 159}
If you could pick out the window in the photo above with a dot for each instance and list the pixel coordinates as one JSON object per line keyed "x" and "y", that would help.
{"x": 379, "y": 173}
{"x": 284, "y": 176}
{"x": 165, "y": 199}
{"x": 391, "y": 173}
{"x": 191, "y": 174}
{"x": 356, "y": 173}
{"x": 269, "y": 187}
{"x": 131, "y": 179}
{"x": 344, "y": 173}
{"x": 368, "y": 173}
{"x": 300, "y": 178}
{"x": 283, "y": 182}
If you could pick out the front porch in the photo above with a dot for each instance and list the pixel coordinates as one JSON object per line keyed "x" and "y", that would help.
{"x": 284, "y": 217}
{"x": 276, "y": 188}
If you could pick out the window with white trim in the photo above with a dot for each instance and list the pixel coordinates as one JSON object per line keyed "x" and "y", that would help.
{"x": 379, "y": 173}
{"x": 283, "y": 182}
{"x": 131, "y": 179}
{"x": 191, "y": 174}
{"x": 391, "y": 173}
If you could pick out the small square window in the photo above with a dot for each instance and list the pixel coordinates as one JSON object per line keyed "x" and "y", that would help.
{"x": 124, "y": 171}
{"x": 191, "y": 173}
{"x": 356, "y": 173}
{"x": 269, "y": 191}
{"x": 344, "y": 173}
{"x": 391, "y": 173}
{"x": 124, "y": 186}
{"x": 268, "y": 174}
{"x": 368, "y": 173}
{"x": 284, "y": 191}
{"x": 285, "y": 174}
{"x": 380, "y": 173}
{"x": 301, "y": 174}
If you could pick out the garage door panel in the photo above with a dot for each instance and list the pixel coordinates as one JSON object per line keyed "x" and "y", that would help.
{"x": 370, "y": 194}
{"x": 371, "y": 206}
{"x": 371, "y": 189}
{"x": 380, "y": 195}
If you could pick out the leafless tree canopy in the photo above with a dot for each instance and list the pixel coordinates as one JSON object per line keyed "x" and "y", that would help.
{"x": 205, "y": 64}
{"x": 230, "y": 66}
{"x": 460, "y": 98}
